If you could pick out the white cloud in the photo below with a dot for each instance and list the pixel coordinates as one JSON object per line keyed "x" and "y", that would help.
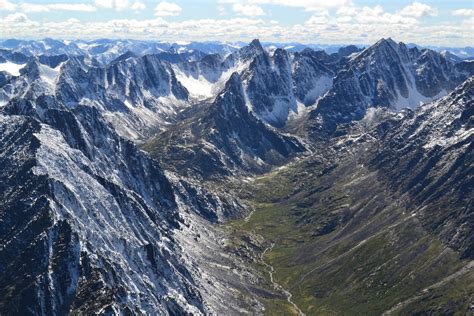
{"x": 121, "y": 4}
{"x": 368, "y": 12}
{"x": 71, "y": 7}
{"x": 73, "y": 21}
{"x": 16, "y": 18}
{"x": 105, "y": 3}
{"x": 165, "y": 8}
{"x": 316, "y": 20}
{"x": 347, "y": 11}
{"x": 308, "y": 5}
{"x": 344, "y": 19}
{"x": 312, "y": 5}
{"x": 221, "y": 10}
{"x": 138, "y": 6}
{"x": 6, "y": 5}
{"x": 248, "y": 9}
{"x": 32, "y": 7}
{"x": 377, "y": 15}
{"x": 464, "y": 12}
{"x": 418, "y": 10}
{"x": 118, "y": 5}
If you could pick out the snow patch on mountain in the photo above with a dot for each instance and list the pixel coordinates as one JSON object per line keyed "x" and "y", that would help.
{"x": 199, "y": 87}
{"x": 301, "y": 111}
{"x": 49, "y": 75}
{"x": 320, "y": 86}
{"x": 204, "y": 83}
{"x": 444, "y": 141}
{"x": 414, "y": 99}
{"x": 279, "y": 112}
{"x": 12, "y": 68}
{"x": 443, "y": 122}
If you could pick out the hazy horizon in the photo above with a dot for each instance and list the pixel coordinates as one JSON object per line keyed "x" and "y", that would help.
{"x": 265, "y": 43}
{"x": 426, "y": 23}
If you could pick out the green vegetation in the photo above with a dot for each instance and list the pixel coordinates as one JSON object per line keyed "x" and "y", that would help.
{"x": 345, "y": 246}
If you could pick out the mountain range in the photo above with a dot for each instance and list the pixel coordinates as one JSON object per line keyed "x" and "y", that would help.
{"x": 230, "y": 178}
{"x": 105, "y": 50}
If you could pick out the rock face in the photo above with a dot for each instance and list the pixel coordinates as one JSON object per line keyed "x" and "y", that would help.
{"x": 311, "y": 77}
{"x": 141, "y": 94}
{"x": 272, "y": 75}
{"x": 334, "y": 61}
{"x": 137, "y": 94}
{"x": 81, "y": 232}
{"x": 224, "y": 137}
{"x": 386, "y": 74}
{"x": 134, "y": 79}
{"x": 428, "y": 154}
{"x": 90, "y": 223}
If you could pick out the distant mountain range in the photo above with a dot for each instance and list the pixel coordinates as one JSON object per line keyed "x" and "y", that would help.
{"x": 106, "y": 50}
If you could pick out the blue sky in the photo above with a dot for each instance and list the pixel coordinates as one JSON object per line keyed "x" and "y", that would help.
{"x": 449, "y": 23}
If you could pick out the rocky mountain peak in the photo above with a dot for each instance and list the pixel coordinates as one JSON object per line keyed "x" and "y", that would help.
{"x": 387, "y": 75}
{"x": 252, "y": 50}
{"x": 232, "y": 98}
{"x": 385, "y": 42}
{"x": 255, "y": 43}
{"x": 347, "y": 50}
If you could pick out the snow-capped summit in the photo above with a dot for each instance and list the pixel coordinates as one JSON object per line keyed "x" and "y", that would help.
{"x": 141, "y": 94}
{"x": 388, "y": 75}
{"x": 250, "y": 51}
{"x": 270, "y": 80}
